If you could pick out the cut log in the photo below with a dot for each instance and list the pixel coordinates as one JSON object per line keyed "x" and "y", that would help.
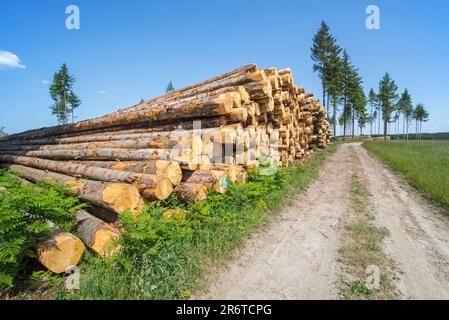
{"x": 116, "y": 197}
{"x": 163, "y": 168}
{"x": 183, "y": 156}
{"x": 152, "y": 186}
{"x": 191, "y": 192}
{"x": 215, "y": 179}
{"x": 155, "y": 140}
{"x": 95, "y": 233}
{"x": 60, "y": 252}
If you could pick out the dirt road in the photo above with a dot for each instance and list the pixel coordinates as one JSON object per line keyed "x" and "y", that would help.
{"x": 296, "y": 256}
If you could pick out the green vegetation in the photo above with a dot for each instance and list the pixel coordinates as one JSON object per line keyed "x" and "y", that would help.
{"x": 361, "y": 248}
{"x": 342, "y": 86}
{"x": 2, "y": 132}
{"x": 24, "y": 212}
{"x": 61, "y": 92}
{"x": 422, "y": 136}
{"x": 170, "y": 257}
{"x": 424, "y": 163}
{"x": 170, "y": 87}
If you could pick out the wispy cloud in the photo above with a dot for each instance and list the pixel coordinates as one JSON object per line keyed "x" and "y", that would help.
{"x": 45, "y": 82}
{"x": 10, "y": 60}
{"x": 102, "y": 92}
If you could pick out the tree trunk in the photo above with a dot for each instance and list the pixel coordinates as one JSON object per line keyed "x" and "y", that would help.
{"x": 163, "y": 168}
{"x": 183, "y": 156}
{"x": 96, "y": 234}
{"x": 152, "y": 186}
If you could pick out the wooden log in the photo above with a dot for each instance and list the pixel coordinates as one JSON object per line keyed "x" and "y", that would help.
{"x": 210, "y": 106}
{"x": 235, "y": 173}
{"x": 116, "y": 197}
{"x": 259, "y": 90}
{"x": 120, "y": 132}
{"x": 60, "y": 252}
{"x": 214, "y": 179}
{"x": 191, "y": 192}
{"x": 155, "y": 140}
{"x": 152, "y": 186}
{"x": 163, "y": 168}
{"x": 95, "y": 233}
{"x": 182, "y": 156}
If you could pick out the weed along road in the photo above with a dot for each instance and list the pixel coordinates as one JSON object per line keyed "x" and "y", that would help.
{"x": 308, "y": 252}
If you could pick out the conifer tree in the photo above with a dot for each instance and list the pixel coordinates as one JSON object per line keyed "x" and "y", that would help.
{"x": 387, "y": 98}
{"x": 65, "y": 100}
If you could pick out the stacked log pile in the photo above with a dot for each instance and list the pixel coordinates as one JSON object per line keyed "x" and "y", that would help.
{"x": 189, "y": 141}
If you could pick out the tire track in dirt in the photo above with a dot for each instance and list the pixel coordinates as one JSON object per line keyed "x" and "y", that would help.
{"x": 296, "y": 256}
{"x": 419, "y": 235}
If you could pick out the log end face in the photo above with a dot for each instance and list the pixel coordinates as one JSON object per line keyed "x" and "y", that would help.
{"x": 102, "y": 242}
{"x": 60, "y": 252}
{"x": 122, "y": 196}
{"x": 164, "y": 188}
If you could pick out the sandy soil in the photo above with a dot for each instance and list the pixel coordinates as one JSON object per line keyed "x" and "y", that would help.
{"x": 295, "y": 257}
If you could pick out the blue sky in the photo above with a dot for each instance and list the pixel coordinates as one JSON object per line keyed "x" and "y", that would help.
{"x": 128, "y": 50}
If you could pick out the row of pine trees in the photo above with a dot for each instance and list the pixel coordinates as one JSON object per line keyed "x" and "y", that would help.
{"x": 345, "y": 100}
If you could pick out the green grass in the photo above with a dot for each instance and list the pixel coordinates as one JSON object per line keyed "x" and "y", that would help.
{"x": 362, "y": 247}
{"x": 172, "y": 258}
{"x": 424, "y": 163}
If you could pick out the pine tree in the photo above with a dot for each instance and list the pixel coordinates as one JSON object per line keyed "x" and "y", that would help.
{"x": 373, "y": 102}
{"x": 65, "y": 100}
{"x": 334, "y": 80}
{"x": 321, "y": 49}
{"x": 347, "y": 79}
{"x": 359, "y": 109}
{"x": 387, "y": 98}
{"x": 353, "y": 96}
{"x": 405, "y": 104}
{"x": 170, "y": 87}
{"x": 420, "y": 115}
{"x": 2, "y": 131}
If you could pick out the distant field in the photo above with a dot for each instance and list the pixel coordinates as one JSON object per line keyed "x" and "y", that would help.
{"x": 424, "y": 163}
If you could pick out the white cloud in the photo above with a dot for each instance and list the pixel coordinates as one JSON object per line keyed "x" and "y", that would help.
{"x": 102, "y": 92}
{"x": 45, "y": 82}
{"x": 10, "y": 60}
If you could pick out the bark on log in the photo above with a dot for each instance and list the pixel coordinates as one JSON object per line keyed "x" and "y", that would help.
{"x": 182, "y": 156}
{"x": 163, "y": 168}
{"x": 95, "y": 233}
{"x": 156, "y": 140}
